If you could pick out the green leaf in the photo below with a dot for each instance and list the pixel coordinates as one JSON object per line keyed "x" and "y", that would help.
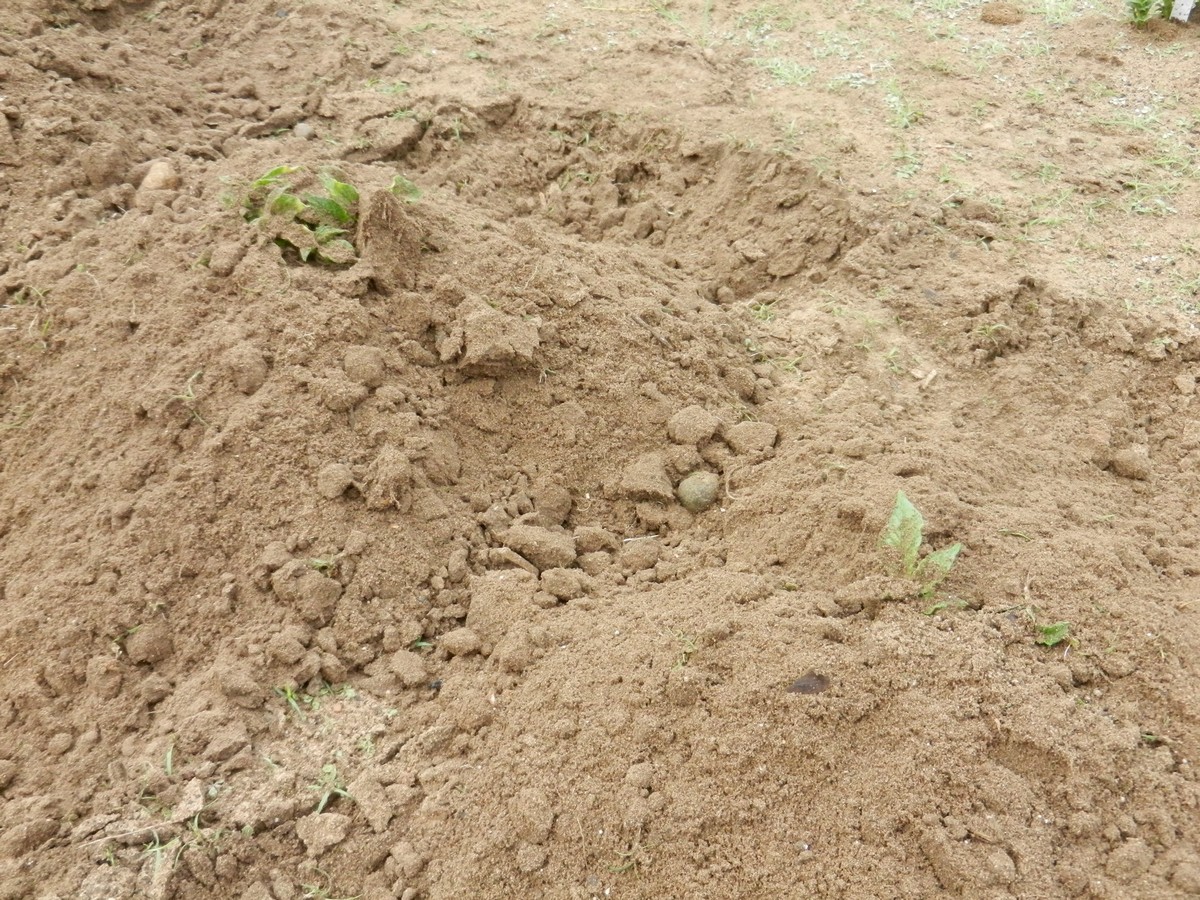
{"x": 937, "y": 565}
{"x": 405, "y": 189}
{"x": 946, "y": 604}
{"x": 330, "y": 209}
{"x": 269, "y": 178}
{"x": 326, "y": 233}
{"x": 343, "y": 193}
{"x": 338, "y": 252}
{"x": 1053, "y": 635}
{"x": 282, "y": 203}
{"x": 903, "y": 533}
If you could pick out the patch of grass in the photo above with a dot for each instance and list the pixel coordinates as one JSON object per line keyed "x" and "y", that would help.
{"x": 785, "y": 72}
{"x": 903, "y": 536}
{"x": 764, "y": 311}
{"x": 905, "y": 114}
{"x": 762, "y": 21}
{"x": 329, "y": 786}
{"x": 293, "y": 698}
{"x": 312, "y": 225}
{"x": 323, "y": 564}
{"x": 1150, "y": 198}
{"x": 909, "y": 162}
{"x": 1142, "y": 11}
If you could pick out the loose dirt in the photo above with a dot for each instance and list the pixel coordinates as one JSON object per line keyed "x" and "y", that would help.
{"x": 536, "y": 552}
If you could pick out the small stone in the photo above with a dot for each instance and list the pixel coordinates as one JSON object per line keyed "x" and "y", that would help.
{"x": 8, "y": 772}
{"x": 365, "y": 365}
{"x": 640, "y": 555}
{"x": 314, "y": 595}
{"x": 223, "y": 258}
{"x": 698, "y": 491}
{"x": 692, "y": 425}
{"x": 1117, "y": 665}
{"x": 460, "y": 642}
{"x": 161, "y": 176}
{"x": 530, "y": 858}
{"x": 640, "y": 775}
{"x": 565, "y": 584}
{"x": 247, "y": 367}
{"x": 149, "y": 643}
{"x": 1186, "y": 877}
{"x": 407, "y": 859}
{"x": 60, "y": 743}
{"x": 103, "y": 164}
{"x": 20, "y": 839}
{"x": 1129, "y": 860}
{"x": 409, "y": 667}
{"x": 1133, "y": 463}
{"x": 1186, "y": 383}
{"x": 553, "y": 505}
{"x": 372, "y": 799}
{"x": 275, "y": 555}
{"x": 104, "y": 677}
{"x": 514, "y": 653}
{"x": 320, "y": 831}
{"x": 594, "y": 563}
{"x": 334, "y": 480}
{"x": 591, "y": 539}
{"x": 304, "y": 130}
{"x": 544, "y": 548}
{"x": 751, "y": 437}
{"x": 533, "y": 815}
{"x": 646, "y": 479}
{"x": 338, "y": 392}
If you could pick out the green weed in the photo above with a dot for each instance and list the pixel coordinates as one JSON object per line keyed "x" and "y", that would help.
{"x": 687, "y": 648}
{"x": 312, "y": 225}
{"x": 1054, "y": 634}
{"x": 329, "y": 786}
{"x": 786, "y": 72}
{"x": 188, "y": 397}
{"x": 405, "y": 189}
{"x": 905, "y": 114}
{"x": 904, "y": 534}
{"x": 1142, "y": 11}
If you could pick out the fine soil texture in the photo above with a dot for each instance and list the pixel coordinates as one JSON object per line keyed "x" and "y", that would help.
{"x": 475, "y": 450}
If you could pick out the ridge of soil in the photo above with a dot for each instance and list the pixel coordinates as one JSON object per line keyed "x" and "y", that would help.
{"x": 390, "y": 580}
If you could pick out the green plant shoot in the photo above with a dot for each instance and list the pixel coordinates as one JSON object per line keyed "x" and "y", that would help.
{"x": 1053, "y": 635}
{"x": 904, "y": 534}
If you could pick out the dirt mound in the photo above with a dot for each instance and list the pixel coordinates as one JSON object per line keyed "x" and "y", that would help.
{"x": 416, "y": 486}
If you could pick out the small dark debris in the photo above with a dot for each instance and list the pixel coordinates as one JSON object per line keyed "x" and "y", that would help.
{"x": 435, "y": 685}
{"x": 812, "y": 683}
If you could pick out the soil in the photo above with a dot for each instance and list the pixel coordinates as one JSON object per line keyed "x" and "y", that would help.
{"x": 533, "y": 548}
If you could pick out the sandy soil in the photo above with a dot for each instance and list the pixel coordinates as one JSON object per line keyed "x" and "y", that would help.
{"x": 525, "y": 541}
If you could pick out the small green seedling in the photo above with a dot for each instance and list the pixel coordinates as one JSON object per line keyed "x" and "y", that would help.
{"x": 311, "y": 224}
{"x": 903, "y": 535}
{"x": 329, "y": 786}
{"x": 405, "y": 189}
{"x": 1054, "y": 634}
{"x": 687, "y": 648}
{"x": 956, "y": 603}
{"x": 293, "y": 698}
{"x": 1142, "y": 11}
